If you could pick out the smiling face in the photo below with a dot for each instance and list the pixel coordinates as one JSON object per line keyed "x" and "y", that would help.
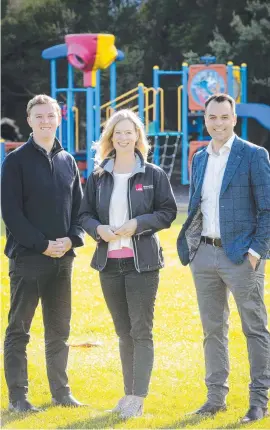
{"x": 124, "y": 136}
{"x": 44, "y": 120}
{"x": 220, "y": 120}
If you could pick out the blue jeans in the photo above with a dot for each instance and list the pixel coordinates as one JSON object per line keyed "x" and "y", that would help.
{"x": 130, "y": 297}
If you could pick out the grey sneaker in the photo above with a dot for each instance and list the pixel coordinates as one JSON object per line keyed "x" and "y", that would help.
{"x": 133, "y": 408}
{"x": 120, "y": 405}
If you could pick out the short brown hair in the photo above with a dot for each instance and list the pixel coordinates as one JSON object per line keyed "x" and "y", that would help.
{"x": 219, "y": 98}
{"x": 41, "y": 99}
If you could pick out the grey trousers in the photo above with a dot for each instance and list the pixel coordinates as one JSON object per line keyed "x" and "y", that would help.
{"x": 130, "y": 297}
{"x": 215, "y": 276}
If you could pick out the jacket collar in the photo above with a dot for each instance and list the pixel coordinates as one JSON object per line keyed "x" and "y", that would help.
{"x": 235, "y": 157}
{"x": 56, "y": 145}
{"x": 234, "y": 160}
{"x": 226, "y": 147}
{"x": 108, "y": 163}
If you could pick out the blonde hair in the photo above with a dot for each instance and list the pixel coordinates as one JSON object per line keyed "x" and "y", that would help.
{"x": 104, "y": 145}
{"x": 41, "y": 99}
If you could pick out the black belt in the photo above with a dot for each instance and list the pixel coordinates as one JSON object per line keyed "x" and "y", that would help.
{"x": 211, "y": 241}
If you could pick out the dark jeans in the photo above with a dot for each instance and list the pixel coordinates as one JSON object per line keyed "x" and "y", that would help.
{"x": 130, "y": 297}
{"x": 31, "y": 278}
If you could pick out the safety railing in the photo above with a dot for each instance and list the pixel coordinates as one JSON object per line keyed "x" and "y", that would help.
{"x": 112, "y": 105}
{"x": 150, "y": 95}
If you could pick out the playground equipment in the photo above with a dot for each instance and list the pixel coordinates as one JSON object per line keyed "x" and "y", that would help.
{"x": 92, "y": 53}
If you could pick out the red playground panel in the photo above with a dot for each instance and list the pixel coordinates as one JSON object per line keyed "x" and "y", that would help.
{"x": 194, "y": 146}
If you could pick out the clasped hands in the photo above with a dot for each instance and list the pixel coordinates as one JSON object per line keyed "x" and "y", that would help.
{"x": 57, "y": 248}
{"x": 109, "y": 233}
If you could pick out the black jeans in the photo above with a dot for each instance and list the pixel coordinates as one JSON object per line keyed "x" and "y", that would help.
{"x": 130, "y": 297}
{"x": 31, "y": 278}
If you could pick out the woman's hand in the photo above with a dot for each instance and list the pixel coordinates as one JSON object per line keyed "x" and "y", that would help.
{"x": 128, "y": 229}
{"x": 106, "y": 233}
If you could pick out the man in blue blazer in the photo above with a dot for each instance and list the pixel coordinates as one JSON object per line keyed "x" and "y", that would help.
{"x": 226, "y": 240}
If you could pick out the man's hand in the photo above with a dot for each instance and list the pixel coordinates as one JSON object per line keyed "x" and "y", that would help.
{"x": 128, "y": 229}
{"x": 55, "y": 249}
{"x": 106, "y": 233}
{"x": 66, "y": 243}
{"x": 253, "y": 260}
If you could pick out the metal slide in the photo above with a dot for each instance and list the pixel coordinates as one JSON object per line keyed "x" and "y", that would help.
{"x": 260, "y": 112}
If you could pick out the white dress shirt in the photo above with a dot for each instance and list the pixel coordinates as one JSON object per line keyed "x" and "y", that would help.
{"x": 213, "y": 178}
{"x": 118, "y": 211}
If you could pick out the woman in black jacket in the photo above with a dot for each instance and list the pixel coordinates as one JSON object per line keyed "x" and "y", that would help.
{"x": 126, "y": 202}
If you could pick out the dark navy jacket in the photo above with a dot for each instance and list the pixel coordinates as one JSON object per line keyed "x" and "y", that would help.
{"x": 41, "y": 197}
{"x": 244, "y": 204}
{"x": 151, "y": 202}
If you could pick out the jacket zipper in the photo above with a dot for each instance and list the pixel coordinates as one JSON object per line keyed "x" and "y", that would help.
{"x": 136, "y": 261}
{"x": 109, "y": 217}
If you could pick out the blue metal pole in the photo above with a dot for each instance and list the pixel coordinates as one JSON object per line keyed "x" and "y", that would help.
{"x": 70, "y": 137}
{"x": 97, "y": 106}
{"x": 156, "y": 120}
{"x": 141, "y": 100}
{"x": 244, "y": 125}
{"x": 156, "y": 86}
{"x": 230, "y": 77}
{"x": 89, "y": 128}
{"x": 54, "y": 88}
{"x": 185, "y": 180}
{"x": 113, "y": 83}
{"x": 53, "y": 78}
{"x": 3, "y": 151}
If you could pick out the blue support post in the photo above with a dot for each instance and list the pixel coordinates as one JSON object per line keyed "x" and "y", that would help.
{"x": 53, "y": 78}
{"x": 70, "y": 116}
{"x": 156, "y": 87}
{"x": 54, "y": 88}
{"x": 3, "y": 151}
{"x": 244, "y": 125}
{"x": 89, "y": 128}
{"x": 230, "y": 78}
{"x": 156, "y": 113}
{"x": 141, "y": 101}
{"x": 113, "y": 84}
{"x": 97, "y": 106}
{"x": 185, "y": 180}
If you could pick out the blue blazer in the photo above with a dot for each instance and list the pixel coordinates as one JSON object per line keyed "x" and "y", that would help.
{"x": 244, "y": 204}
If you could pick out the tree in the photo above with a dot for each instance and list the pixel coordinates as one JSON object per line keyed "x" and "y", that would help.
{"x": 250, "y": 43}
{"x": 37, "y": 24}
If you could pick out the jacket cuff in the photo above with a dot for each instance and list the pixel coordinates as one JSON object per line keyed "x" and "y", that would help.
{"x": 97, "y": 236}
{"x": 141, "y": 225}
{"x": 76, "y": 241}
{"x": 41, "y": 247}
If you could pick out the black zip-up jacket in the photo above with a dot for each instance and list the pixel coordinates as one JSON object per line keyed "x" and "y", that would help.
{"x": 41, "y": 197}
{"x": 150, "y": 201}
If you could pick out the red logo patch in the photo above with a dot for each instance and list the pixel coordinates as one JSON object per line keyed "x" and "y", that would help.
{"x": 139, "y": 187}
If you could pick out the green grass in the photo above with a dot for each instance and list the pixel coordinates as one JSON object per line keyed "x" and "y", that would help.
{"x": 177, "y": 385}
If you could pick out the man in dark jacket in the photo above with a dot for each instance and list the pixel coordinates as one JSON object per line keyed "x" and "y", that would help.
{"x": 41, "y": 196}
